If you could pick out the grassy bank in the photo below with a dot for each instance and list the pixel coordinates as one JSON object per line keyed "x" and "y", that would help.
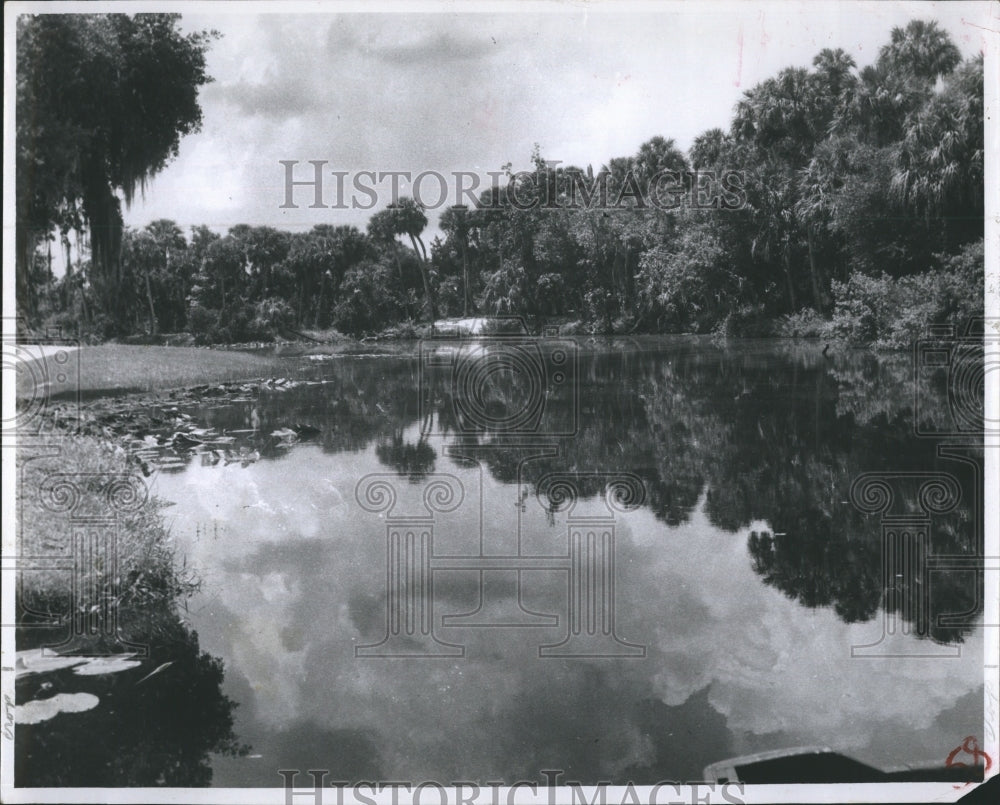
{"x": 147, "y": 572}
{"x": 107, "y": 368}
{"x": 141, "y": 368}
{"x": 123, "y": 368}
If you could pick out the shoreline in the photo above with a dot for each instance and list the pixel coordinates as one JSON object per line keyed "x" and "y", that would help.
{"x": 106, "y": 404}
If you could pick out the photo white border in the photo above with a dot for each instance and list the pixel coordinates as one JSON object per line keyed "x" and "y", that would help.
{"x": 983, "y": 15}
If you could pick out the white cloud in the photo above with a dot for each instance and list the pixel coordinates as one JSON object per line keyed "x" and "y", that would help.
{"x": 295, "y": 560}
{"x": 471, "y": 91}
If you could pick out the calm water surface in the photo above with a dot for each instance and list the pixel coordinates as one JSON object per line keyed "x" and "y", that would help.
{"x": 743, "y": 574}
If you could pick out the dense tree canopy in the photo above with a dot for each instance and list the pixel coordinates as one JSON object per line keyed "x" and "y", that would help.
{"x": 839, "y": 201}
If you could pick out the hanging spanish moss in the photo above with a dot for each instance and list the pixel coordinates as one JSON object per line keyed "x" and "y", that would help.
{"x": 102, "y": 103}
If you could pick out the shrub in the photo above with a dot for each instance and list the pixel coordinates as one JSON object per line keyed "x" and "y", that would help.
{"x": 747, "y": 321}
{"x": 690, "y": 285}
{"x": 505, "y": 291}
{"x": 450, "y": 297}
{"x": 364, "y": 302}
{"x": 271, "y": 316}
{"x": 201, "y": 322}
{"x": 807, "y": 323}
{"x": 550, "y": 294}
{"x": 893, "y": 313}
{"x": 405, "y": 331}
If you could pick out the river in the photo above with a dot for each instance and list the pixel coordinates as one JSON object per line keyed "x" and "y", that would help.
{"x": 622, "y": 559}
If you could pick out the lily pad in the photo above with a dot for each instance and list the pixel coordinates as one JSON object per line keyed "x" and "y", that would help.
{"x": 36, "y": 661}
{"x": 106, "y": 665}
{"x": 39, "y": 710}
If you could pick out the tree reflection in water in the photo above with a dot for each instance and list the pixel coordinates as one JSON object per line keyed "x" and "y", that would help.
{"x": 155, "y": 731}
{"x": 772, "y": 434}
{"x": 760, "y": 432}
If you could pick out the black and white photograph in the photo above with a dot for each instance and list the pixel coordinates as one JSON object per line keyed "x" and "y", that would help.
{"x": 504, "y": 403}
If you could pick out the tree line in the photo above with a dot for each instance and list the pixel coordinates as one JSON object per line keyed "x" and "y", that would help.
{"x": 861, "y": 214}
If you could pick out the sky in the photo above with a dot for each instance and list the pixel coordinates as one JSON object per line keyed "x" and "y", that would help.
{"x": 456, "y": 91}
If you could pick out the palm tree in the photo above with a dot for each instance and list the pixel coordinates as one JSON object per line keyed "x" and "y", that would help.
{"x": 455, "y": 222}
{"x": 655, "y": 156}
{"x": 406, "y": 217}
{"x": 902, "y": 80}
{"x": 819, "y": 184}
{"x": 922, "y": 50}
{"x": 835, "y": 84}
{"x": 938, "y": 166}
{"x": 707, "y": 148}
{"x": 776, "y": 128}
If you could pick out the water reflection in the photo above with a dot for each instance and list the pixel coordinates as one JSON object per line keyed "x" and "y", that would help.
{"x": 155, "y": 722}
{"x": 748, "y": 573}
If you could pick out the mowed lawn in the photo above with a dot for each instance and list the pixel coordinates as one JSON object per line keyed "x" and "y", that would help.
{"x": 110, "y": 368}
